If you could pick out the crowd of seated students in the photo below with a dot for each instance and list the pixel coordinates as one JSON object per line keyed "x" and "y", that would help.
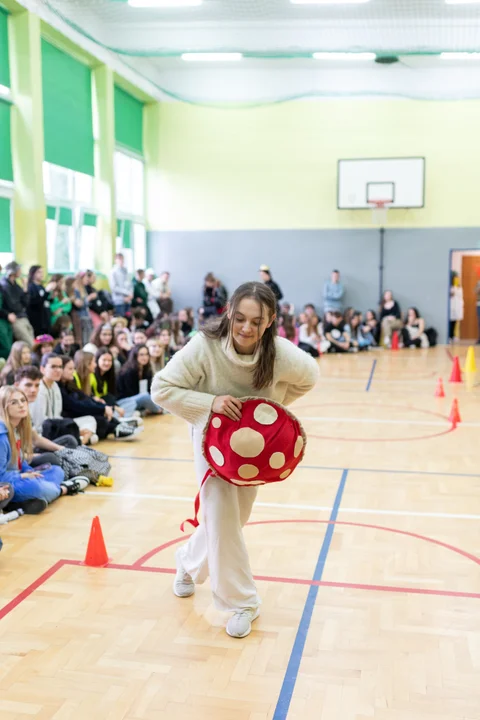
{"x": 353, "y": 331}
{"x": 76, "y": 367}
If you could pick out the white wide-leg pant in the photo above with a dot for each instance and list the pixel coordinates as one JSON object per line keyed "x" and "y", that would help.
{"x": 217, "y": 547}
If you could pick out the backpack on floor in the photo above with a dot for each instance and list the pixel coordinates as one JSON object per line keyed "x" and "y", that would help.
{"x": 432, "y": 336}
{"x": 83, "y": 461}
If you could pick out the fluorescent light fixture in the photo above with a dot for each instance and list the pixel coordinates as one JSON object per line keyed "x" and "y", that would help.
{"x": 460, "y": 55}
{"x": 462, "y": 2}
{"x": 329, "y": 2}
{"x": 212, "y": 57}
{"x": 171, "y": 4}
{"x": 344, "y": 56}
{"x": 4, "y": 91}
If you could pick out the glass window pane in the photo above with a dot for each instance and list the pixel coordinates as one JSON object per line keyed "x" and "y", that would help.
{"x": 122, "y": 182}
{"x": 83, "y": 188}
{"x": 86, "y": 258}
{"x": 136, "y": 187}
{"x": 60, "y": 241}
{"x": 60, "y": 182}
{"x": 139, "y": 247}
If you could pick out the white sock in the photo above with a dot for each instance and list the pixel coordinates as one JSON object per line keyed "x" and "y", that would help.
{"x": 8, "y": 517}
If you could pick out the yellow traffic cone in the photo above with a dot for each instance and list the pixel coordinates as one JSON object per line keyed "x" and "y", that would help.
{"x": 470, "y": 366}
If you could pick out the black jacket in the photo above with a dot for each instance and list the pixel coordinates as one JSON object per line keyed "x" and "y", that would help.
{"x": 58, "y": 350}
{"x": 38, "y": 309}
{"x": 14, "y": 298}
{"x": 102, "y": 303}
{"x": 128, "y": 383}
{"x": 275, "y": 289}
{"x": 77, "y": 404}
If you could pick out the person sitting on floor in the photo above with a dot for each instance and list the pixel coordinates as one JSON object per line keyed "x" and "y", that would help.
{"x": 42, "y": 345}
{"x": 67, "y": 344}
{"x": 361, "y": 336}
{"x": 33, "y": 489}
{"x": 76, "y": 404}
{"x": 413, "y": 334}
{"x": 336, "y": 333}
{"x": 20, "y": 356}
{"x": 135, "y": 379}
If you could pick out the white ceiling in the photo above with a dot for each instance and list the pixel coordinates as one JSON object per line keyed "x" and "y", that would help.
{"x": 278, "y": 36}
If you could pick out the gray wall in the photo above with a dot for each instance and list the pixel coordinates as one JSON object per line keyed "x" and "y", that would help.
{"x": 416, "y": 263}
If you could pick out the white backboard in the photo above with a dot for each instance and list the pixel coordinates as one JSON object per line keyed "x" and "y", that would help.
{"x": 400, "y": 181}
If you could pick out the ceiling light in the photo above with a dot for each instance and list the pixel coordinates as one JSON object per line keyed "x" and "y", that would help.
{"x": 164, "y": 3}
{"x": 329, "y": 2}
{"x": 462, "y": 2}
{"x": 212, "y": 57}
{"x": 460, "y": 55}
{"x": 344, "y": 56}
{"x": 4, "y": 91}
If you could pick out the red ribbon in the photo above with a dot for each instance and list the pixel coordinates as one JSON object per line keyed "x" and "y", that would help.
{"x": 194, "y": 521}
{"x": 19, "y": 453}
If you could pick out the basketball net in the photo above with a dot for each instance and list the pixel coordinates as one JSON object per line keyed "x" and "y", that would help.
{"x": 379, "y": 211}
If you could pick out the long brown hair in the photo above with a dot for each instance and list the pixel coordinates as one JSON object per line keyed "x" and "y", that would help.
{"x": 223, "y": 327}
{"x": 14, "y": 360}
{"x": 312, "y": 324}
{"x": 24, "y": 428}
{"x": 82, "y": 362}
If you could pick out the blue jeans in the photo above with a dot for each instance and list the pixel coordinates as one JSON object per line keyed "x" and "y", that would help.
{"x": 46, "y": 487}
{"x": 121, "y": 309}
{"x": 143, "y": 401}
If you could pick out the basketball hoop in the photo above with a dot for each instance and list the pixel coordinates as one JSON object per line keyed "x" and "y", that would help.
{"x": 379, "y": 211}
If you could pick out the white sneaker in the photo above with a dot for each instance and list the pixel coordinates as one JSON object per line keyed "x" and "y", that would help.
{"x": 93, "y": 439}
{"x": 240, "y": 625}
{"x": 183, "y": 585}
{"x": 133, "y": 421}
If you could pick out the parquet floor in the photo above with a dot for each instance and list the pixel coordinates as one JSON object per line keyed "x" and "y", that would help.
{"x": 368, "y": 562}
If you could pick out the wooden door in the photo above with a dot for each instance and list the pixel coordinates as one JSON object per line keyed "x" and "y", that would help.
{"x": 470, "y": 277}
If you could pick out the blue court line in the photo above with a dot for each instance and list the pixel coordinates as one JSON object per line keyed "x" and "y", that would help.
{"x": 290, "y": 679}
{"x": 372, "y": 371}
{"x": 317, "y": 467}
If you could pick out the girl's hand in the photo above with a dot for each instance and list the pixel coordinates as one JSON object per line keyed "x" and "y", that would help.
{"x": 229, "y": 406}
{"x": 4, "y": 492}
{"x": 120, "y": 411}
{"x": 30, "y": 475}
{"x": 108, "y": 412}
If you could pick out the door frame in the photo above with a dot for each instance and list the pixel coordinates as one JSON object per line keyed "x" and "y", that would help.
{"x": 451, "y": 251}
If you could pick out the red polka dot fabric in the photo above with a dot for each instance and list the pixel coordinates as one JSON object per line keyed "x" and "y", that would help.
{"x": 265, "y": 446}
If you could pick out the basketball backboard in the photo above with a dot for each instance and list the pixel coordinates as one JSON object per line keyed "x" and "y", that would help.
{"x": 398, "y": 181}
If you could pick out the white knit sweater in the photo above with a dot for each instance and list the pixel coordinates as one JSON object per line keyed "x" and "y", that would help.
{"x": 206, "y": 368}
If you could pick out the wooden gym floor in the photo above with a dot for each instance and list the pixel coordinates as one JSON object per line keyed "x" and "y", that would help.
{"x": 367, "y": 561}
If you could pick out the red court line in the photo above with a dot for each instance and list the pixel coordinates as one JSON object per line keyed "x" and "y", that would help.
{"x": 30, "y": 589}
{"x": 383, "y": 440}
{"x": 137, "y": 566}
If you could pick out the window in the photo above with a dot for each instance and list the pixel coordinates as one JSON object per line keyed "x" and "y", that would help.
{"x": 71, "y": 221}
{"x": 129, "y": 184}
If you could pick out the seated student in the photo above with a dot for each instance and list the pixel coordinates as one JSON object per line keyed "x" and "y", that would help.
{"x": 413, "y": 333}
{"x": 123, "y": 346}
{"x": 33, "y": 489}
{"x": 139, "y": 337}
{"x": 360, "y": 335}
{"x": 102, "y": 336}
{"x": 309, "y": 310}
{"x": 135, "y": 380}
{"x": 138, "y": 320}
{"x": 336, "y": 333}
{"x": 20, "y": 355}
{"x": 187, "y": 321}
{"x": 157, "y": 355}
{"x": 77, "y": 404}
{"x": 49, "y": 407}
{"x": 140, "y": 295}
{"x": 165, "y": 341}
{"x": 42, "y": 345}
{"x": 67, "y": 344}
{"x": 100, "y": 304}
{"x": 390, "y": 317}
{"x": 287, "y": 328}
{"x": 28, "y": 380}
{"x": 309, "y": 337}
{"x": 371, "y": 323}
{"x": 177, "y": 338}
{"x": 6, "y": 495}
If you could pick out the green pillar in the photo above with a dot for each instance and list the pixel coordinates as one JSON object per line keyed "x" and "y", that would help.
{"x": 27, "y": 138}
{"x": 104, "y": 134}
{"x": 152, "y": 138}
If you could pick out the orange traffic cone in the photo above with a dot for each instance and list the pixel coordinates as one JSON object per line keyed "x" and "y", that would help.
{"x": 456, "y": 376}
{"x": 96, "y": 551}
{"x": 454, "y": 417}
{"x": 395, "y": 340}
{"x": 439, "y": 391}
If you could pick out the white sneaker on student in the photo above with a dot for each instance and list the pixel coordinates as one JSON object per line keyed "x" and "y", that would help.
{"x": 240, "y": 625}
{"x": 183, "y": 585}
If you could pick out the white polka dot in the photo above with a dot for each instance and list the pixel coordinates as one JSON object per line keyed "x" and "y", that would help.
{"x": 217, "y": 456}
{"x": 247, "y": 482}
{"x": 277, "y": 460}
{"x": 247, "y": 442}
{"x": 248, "y": 471}
{"x": 298, "y": 446}
{"x": 285, "y": 474}
{"x": 265, "y": 414}
{"x": 216, "y": 422}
